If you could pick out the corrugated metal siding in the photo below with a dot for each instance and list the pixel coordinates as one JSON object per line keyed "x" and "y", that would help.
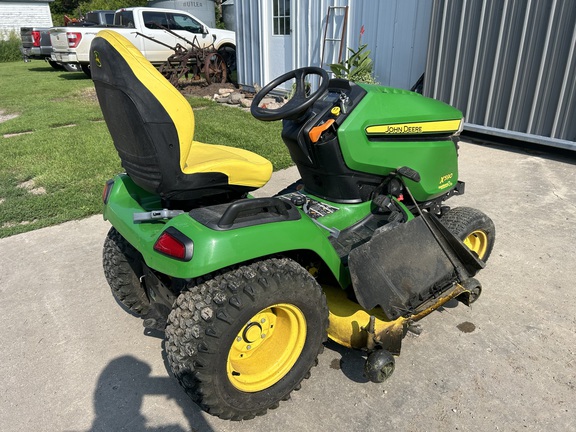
{"x": 396, "y": 32}
{"x": 14, "y": 15}
{"x": 508, "y": 65}
{"x": 308, "y": 31}
{"x": 249, "y": 46}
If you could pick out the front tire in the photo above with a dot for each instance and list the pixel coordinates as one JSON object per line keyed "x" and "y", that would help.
{"x": 473, "y": 227}
{"x": 244, "y": 340}
{"x": 123, "y": 269}
{"x": 379, "y": 366}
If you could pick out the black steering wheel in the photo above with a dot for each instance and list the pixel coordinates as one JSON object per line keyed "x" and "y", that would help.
{"x": 296, "y": 105}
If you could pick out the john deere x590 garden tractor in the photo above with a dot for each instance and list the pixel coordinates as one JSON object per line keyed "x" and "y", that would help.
{"x": 247, "y": 290}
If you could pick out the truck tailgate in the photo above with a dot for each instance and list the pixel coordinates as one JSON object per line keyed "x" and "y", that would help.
{"x": 26, "y": 36}
{"x": 59, "y": 39}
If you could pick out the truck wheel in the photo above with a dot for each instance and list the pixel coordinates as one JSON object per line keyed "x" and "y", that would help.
{"x": 242, "y": 341}
{"x": 55, "y": 65}
{"x": 123, "y": 270}
{"x": 86, "y": 69}
{"x": 473, "y": 227}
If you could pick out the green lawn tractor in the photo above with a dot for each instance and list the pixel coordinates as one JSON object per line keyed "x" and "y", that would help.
{"x": 248, "y": 290}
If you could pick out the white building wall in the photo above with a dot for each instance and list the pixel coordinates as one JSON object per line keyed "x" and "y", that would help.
{"x": 14, "y": 15}
{"x": 396, "y": 32}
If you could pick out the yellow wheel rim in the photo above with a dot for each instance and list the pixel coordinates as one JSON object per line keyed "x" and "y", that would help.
{"x": 266, "y": 348}
{"x": 477, "y": 241}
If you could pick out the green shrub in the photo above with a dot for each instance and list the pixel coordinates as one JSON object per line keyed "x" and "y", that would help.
{"x": 357, "y": 68}
{"x": 10, "y": 48}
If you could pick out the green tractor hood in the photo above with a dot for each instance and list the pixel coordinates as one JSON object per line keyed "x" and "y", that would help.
{"x": 392, "y": 128}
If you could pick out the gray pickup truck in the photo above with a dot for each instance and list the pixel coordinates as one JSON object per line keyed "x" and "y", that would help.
{"x": 36, "y": 43}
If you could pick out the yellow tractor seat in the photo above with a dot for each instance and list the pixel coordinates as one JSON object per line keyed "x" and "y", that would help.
{"x": 152, "y": 126}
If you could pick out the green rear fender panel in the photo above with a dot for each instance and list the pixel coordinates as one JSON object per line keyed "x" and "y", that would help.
{"x": 213, "y": 250}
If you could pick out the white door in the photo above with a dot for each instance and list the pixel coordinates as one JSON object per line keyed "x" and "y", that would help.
{"x": 190, "y": 29}
{"x": 155, "y": 22}
{"x": 280, "y": 38}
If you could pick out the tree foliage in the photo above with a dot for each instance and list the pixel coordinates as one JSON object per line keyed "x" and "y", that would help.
{"x": 76, "y": 8}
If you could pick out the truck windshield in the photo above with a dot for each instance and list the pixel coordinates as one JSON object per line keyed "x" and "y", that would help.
{"x": 183, "y": 22}
{"x": 155, "y": 20}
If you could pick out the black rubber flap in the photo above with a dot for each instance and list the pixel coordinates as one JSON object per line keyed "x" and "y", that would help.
{"x": 400, "y": 268}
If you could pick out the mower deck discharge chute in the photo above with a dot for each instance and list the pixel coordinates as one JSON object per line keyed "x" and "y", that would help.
{"x": 403, "y": 267}
{"x": 248, "y": 289}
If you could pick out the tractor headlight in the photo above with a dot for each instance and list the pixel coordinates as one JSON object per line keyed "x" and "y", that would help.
{"x": 460, "y": 128}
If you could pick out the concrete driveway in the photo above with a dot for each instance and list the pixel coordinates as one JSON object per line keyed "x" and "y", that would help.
{"x": 73, "y": 360}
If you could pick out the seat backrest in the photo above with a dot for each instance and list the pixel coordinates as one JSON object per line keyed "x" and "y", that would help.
{"x": 151, "y": 123}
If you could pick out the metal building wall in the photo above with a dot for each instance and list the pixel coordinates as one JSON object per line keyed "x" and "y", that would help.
{"x": 396, "y": 32}
{"x": 510, "y": 66}
{"x": 249, "y": 43}
{"x": 308, "y": 18}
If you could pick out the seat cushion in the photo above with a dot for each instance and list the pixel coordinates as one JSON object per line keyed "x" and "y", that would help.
{"x": 152, "y": 126}
{"x": 242, "y": 167}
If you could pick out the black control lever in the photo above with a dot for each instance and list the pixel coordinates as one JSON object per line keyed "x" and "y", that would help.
{"x": 409, "y": 173}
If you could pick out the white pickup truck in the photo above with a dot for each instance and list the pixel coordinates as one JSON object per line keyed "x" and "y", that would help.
{"x": 72, "y": 44}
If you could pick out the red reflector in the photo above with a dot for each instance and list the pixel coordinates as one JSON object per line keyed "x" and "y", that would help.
{"x": 36, "y": 38}
{"x": 174, "y": 244}
{"x": 73, "y": 39}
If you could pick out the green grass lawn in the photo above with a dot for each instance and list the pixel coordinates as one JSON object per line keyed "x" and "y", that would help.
{"x": 54, "y": 169}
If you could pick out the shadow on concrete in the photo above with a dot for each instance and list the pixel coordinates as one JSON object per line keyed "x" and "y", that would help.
{"x": 351, "y": 361}
{"x": 120, "y": 392}
{"x": 521, "y": 147}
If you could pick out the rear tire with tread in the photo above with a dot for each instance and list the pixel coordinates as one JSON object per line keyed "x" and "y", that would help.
{"x": 209, "y": 319}
{"x": 123, "y": 269}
